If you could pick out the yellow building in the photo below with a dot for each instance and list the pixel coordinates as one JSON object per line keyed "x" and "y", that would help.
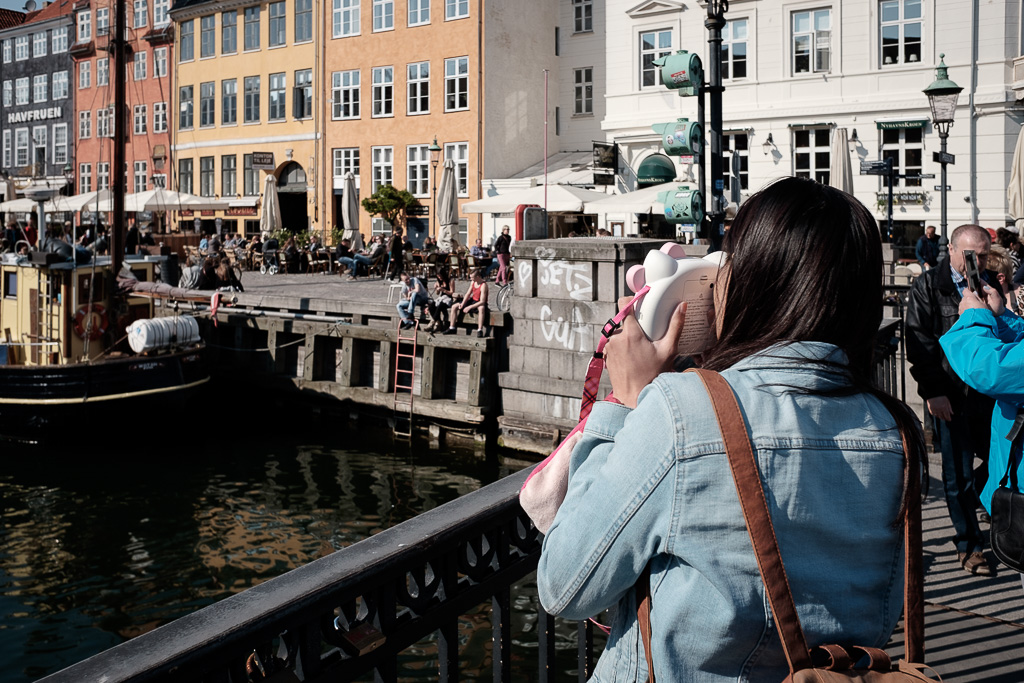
{"x": 245, "y": 80}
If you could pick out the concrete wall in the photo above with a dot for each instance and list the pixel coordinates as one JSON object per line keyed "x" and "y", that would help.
{"x": 566, "y": 290}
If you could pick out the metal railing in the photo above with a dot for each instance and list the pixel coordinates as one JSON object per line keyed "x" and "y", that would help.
{"x": 355, "y": 611}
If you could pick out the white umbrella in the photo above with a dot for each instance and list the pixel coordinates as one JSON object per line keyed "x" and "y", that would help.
{"x": 350, "y": 212}
{"x": 448, "y": 206}
{"x": 840, "y": 171}
{"x": 160, "y": 199}
{"x": 639, "y": 201}
{"x": 18, "y": 205}
{"x": 80, "y": 202}
{"x": 270, "y": 221}
{"x": 561, "y": 198}
{"x": 193, "y": 203}
{"x": 1015, "y": 190}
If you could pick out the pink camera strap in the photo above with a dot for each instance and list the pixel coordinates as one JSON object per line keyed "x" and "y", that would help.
{"x": 596, "y": 367}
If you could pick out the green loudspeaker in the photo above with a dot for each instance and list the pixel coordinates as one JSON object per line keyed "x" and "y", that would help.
{"x": 681, "y": 137}
{"x": 683, "y": 205}
{"x": 681, "y": 71}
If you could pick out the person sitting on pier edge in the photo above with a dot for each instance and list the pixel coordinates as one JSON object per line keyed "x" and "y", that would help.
{"x": 474, "y": 300}
{"x": 444, "y": 297}
{"x": 650, "y": 491}
{"x": 413, "y": 294}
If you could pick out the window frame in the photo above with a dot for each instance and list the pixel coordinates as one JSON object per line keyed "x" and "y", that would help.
{"x": 303, "y": 21}
{"x": 250, "y": 99}
{"x": 21, "y": 48}
{"x": 160, "y": 12}
{"x": 338, "y": 91}
{"x": 901, "y": 24}
{"x": 208, "y": 36}
{"x": 417, "y": 170}
{"x": 39, "y": 44}
{"x": 186, "y": 171}
{"x": 345, "y": 160}
{"x": 417, "y": 88}
{"x": 302, "y": 94}
{"x": 140, "y": 65}
{"x": 160, "y": 120}
{"x": 22, "y": 91}
{"x": 655, "y": 52}
{"x": 140, "y": 116}
{"x": 583, "y": 16}
{"x": 64, "y": 86}
{"x": 900, "y": 163}
{"x": 813, "y": 53}
{"x": 228, "y": 171}
{"x": 453, "y": 10}
{"x": 583, "y": 101}
{"x": 420, "y": 8}
{"x": 40, "y": 88}
{"x": 84, "y": 178}
{"x": 383, "y": 15}
{"x": 452, "y": 83}
{"x": 729, "y": 41}
{"x": 102, "y": 21}
{"x": 207, "y": 104}
{"x": 186, "y": 107}
{"x": 140, "y": 19}
{"x": 59, "y": 40}
{"x": 277, "y": 90}
{"x": 250, "y": 177}
{"x": 186, "y": 41}
{"x": 382, "y": 166}
{"x": 461, "y": 165}
{"x": 207, "y": 176}
{"x": 229, "y": 28}
{"x": 159, "y": 62}
{"x": 57, "y": 145}
{"x": 225, "y": 97}
{"x": 83, "y": 24}
{"x": 382, "y": 95}
{"x": 251, "y": 29}
{"x": 814, "y": 149}
{"x": 103, "y": 75}
{"x": 140, "y": 175}
{"x": 345, "y": 13}
{"x": 277, "y": 23}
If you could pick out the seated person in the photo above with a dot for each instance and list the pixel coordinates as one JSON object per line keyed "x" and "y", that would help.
{"x": 55, "y": 243}
{"x": 444, "y": 297}
{"x": 429, "y": 246}
{"x": 474, "y": 300}
{"x": 478, "y": 250}
{"x": 291, "y": 255}
{"x": 352, "y": 260}
{"x": 189, "y": 278}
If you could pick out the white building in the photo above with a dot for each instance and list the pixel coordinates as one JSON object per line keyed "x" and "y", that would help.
{"x": 796, "y": 70}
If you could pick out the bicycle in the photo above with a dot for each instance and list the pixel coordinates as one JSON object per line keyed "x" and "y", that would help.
{"x": 503, "y": 299}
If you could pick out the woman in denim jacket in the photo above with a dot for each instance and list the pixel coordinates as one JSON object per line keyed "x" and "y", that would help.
{"x": 798, "y": 305}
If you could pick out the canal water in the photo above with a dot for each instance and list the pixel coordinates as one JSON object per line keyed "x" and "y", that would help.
{"x": 98, "y": 548}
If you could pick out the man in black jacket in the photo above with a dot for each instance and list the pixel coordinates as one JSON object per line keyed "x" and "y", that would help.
{"x": 960, "y": 416}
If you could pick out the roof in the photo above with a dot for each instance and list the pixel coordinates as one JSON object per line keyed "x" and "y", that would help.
{"x": 10, "y": 18}
{"x": 55, "y": 9}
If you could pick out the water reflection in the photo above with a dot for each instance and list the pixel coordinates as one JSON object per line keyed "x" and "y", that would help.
{"x": 96, "y": 549}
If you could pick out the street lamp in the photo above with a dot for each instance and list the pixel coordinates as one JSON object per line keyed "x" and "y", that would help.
{"x": 942, "y": 95}
{"x": 435, "y": 156}
{"x": 714, "y": 24}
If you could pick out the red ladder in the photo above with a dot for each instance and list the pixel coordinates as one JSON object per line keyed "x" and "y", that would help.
{"x": 402, "y": 409}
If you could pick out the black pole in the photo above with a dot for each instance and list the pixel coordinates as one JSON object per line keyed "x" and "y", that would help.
{"x": 890, "y": 179}
{"x": 943, "y": 240}
{"x": 714, "y": 23}
{"x": 702, "y": 182}
{"x": 120, "y": 140}
{"x": 433, "y": 195}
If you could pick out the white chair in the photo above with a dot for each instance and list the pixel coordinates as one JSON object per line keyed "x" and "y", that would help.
{"x": 915, "y": 269}
{"x": 392, "y": 289}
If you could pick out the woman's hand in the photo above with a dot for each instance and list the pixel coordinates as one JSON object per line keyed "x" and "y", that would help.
{"x": 994, "y": 301}
{"x": 633, "y": 361}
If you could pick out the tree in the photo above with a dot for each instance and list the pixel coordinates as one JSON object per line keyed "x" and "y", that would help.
{"x": 389, "y": 203}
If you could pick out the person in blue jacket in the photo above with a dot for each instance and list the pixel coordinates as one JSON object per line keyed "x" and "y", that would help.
{"x": 985, "y": 347}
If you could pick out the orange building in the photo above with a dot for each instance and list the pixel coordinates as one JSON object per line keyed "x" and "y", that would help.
{"x": 150, "y": 40}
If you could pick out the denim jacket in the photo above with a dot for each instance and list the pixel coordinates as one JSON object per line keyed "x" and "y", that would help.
{"x": 652, "y": 486}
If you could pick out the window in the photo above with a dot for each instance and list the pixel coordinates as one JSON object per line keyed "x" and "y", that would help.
{"x": 277, "y": 23}
{"x": 103, "y": 71}
{"x": 185, "y": 106}
{"x": 60, "y": 143}
{"x": 141, "y": 176}
{"x": 302, "y": 94}
{"x": 812, "y": 36}
{"x": 277, "y": 98}
{"x": 417, "y": 166}
{"x": 103, "y": 123}
{"x": 39, "y": 44}
{"x": 383, "y": 15}
{"x": 900, "y": 25}
{"x": 345, "y": 94}
{"x": 229, "y": 33}
{"x": 139, "y": 115}
{"x": 811, "y": 156}
{"x": 583, "y": 80}
{"x": 58, "y": 40}
{"x": 84, "y": 26}
{"x": 84, "y": 75}
{"x": 456, "y": 84}
{"x": 738, "y": 144}
{"x": 346, "y": 160}
{"x": 185, "y": 176}
{"x": 459, "y": 153}
{"x": 139, "y": 59}
{"x": 84, "y": 125}
{"x": 160, "y": 62}
{"x": 380, "y": 166}
{"x": 141, "y": 18}
{"x": 160, "y": 8}
{"x": 229, "y": 102}
{"x": 102, "y": 21}
{"x": 383, "y": 91}
{"x": 159, "y": 117}
{"x": 8, "y": 51}
{"x": 734, "y": 49}
{"x": 456, "y": 9}
{"x": 39, "y": 143}
{"x": 418, "y": 80}
{"x": 208, "y": 36}
{"x": 21, "y": 147}
{"x": 59, "y": 87}
{"x": 905, "y": 146}
{"x": 228, "y": 175}
{"x": 159, "y": 180}
{"x": 653, "y": 45}
{"x": 583, "y": 15}
{"x": 252, "y": 28}
{"x": 206, "y": 104}
{"x": 40, "y": 89}
{"x": 206, "y": 177}
{"x": 346, "y": 18}
{"x": 186, "y": 44}
{"x": 103, "y": 176}
{"x": 8, "y": 93}
{"x": 8, "y": 159}
{"x": 84, "y": 178}
{"x": 303, "y": 21}
{"x": 252, "y": 99}
{"x": 21, "y": 91}
{"x": 419, "y": 12}
{"x": 21, "y": 48}
{"x": 250, "y": 177}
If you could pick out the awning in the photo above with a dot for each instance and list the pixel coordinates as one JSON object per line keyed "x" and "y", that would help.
{"x": 243, "y": 202}
{"x": 890, "y": 124}
{"x": 654, "y": 170}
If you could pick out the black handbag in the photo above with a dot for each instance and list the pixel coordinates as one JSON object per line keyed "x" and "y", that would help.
{"x": 1007, "y": 530}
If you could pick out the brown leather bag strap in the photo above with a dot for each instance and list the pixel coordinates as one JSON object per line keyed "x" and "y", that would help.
{"x": 643, "y": 617}
{"x": 759, "y": 522}
{"x": 913, "y": 571}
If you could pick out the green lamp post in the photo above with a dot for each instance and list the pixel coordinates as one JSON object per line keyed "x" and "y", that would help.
{"x": 942, "y": 96}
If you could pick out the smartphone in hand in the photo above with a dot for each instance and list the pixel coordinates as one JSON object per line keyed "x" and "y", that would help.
{"x": 973, "y": 273}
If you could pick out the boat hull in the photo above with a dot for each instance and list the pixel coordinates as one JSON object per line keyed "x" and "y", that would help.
{"x": 46, "y": 403}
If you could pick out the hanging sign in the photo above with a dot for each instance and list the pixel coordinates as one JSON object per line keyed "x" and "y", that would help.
{"x": 263, "y": 161}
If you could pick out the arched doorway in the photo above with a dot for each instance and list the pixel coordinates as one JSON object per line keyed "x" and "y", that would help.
{"x": 291, "y": 192}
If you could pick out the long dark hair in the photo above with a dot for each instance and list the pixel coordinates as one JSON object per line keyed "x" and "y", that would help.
{"x": 805, "y": 264}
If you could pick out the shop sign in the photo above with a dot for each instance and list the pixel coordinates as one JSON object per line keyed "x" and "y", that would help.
{"x": 240, "y": 211}
{"x": 421, "y": 210}
{"x": 263, "y": 161}
{"x": 207, "y": 212}
{"x": 35, "y": 115}
{"x": 902, "y": 197}
{"x": 895, "y": 125}
{"x": 185, "y": 214}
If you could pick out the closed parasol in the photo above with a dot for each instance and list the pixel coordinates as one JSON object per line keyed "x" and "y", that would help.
{"x": 350, "y": 212}
{"x": 448, "y": 207}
